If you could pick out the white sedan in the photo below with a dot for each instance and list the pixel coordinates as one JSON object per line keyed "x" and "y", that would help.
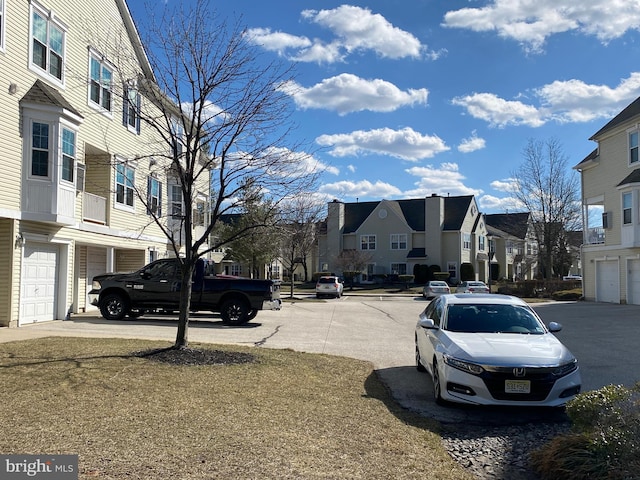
{"x": 493, "y": 350}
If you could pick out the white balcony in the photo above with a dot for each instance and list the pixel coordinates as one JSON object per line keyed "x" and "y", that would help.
{"x": 94, "y": 208}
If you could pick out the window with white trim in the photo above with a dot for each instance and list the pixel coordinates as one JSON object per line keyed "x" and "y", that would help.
{"x": 627, "y": 208}
{"x": 131, "y": 108}
{"x": 452, "y": 268}
{"x": 466, "y": 241}
{"x": 235, "y": 269}
{"x": 125, "y": 185}
{"x": 175, "y": 198}
{"x": 367, "y": 242}
{"x": 481, "y": 243}
{"x": 47, "y": 48}
{"x": 100, "y": 83}
{"x": 398, "y": 241}
{"x": 177, "y": 130}
{"x": 633, "y": 147}
{"x": 154, "y": 196}
{"x": 40, "y": 149}
{"x": 68, "y": 154}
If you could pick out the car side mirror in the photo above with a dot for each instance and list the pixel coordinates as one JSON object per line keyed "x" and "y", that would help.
{"x": 554, "y": 327}
{"x": 427, "y": 323}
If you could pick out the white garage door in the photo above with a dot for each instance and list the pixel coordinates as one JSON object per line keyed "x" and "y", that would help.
{"x": 39, "y": 279}
{"x": 96, "y": 265}
{"x": 633, "y": 282}
{"x": 607, "y": 282}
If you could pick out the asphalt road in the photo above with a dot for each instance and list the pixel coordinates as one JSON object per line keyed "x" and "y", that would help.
{"x": 604, "y": 337}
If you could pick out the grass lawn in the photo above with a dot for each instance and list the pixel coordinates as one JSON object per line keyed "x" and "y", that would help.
{"x": 284, "y": 415}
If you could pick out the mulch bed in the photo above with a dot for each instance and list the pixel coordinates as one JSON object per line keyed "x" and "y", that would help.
{"x": 190, "y": 356}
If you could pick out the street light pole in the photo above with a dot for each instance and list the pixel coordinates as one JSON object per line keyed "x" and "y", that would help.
{"x": 489, "y": 269}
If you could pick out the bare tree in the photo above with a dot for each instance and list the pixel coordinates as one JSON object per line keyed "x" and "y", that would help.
{"x": 352, "y": 262}
{"x": 550, "y": 191}
{"x": 222, "y": 116}
{"x": 299, "y": 222}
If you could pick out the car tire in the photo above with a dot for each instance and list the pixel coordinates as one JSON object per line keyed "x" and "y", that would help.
{"x": 252, "y": 314}
{"x": 437, "y": 386}
{"x": 234, "y": 312}
{"x": 419, "y": 365}
{"x": 114, "y": 306}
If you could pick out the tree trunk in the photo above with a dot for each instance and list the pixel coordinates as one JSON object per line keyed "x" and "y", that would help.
{"x": 185, "y": 306}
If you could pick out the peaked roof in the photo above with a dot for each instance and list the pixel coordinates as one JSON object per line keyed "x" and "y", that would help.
{"x": 629, "y": 112}
{"x": 515, "y": 224}
{"x": 42, "y": 94}
{"x": 633, "y": 177}
{"x": 413, "y": 211}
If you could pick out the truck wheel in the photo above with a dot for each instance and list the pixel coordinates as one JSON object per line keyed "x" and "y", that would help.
{"x": 234, "y": 312}
{"x": 114, "y": 307}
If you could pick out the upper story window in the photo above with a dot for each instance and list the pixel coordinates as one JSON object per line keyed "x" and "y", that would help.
{"x": 466, "y": 241}
{"x": 47, "y": 44}
{"x": 175, "y": 197}
{"x": 367, "y": 242}
{"x": 178, "y": 135}
{"x": 40, "y": 149}
{"x": 398, "y": 241}
{"x": 100, "y": 83}
{"x": 125, "y": 184}
{"x": 481, "y": 242}
{"x": 633, "y": 147}
{"x": 627, "y": 205}
{"x": 131, "y": 109}
{"x": 154, "y": 196}
{"x": 2, "y": 22}
{"x": 68, "y": 154}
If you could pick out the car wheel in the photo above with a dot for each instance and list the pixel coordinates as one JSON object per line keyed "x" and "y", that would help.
{"x": 252, "y": 314}
{"x": 234, "y": 312}
{"x": 419, "y": 365}
{"x": 437, "y": 387}
{"x": 114, "y": 306}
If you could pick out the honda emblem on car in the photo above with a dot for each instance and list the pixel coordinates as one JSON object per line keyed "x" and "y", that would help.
{"x": 519, "y": 372}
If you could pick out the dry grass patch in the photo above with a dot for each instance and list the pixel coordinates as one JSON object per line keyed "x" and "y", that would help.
{"x": 282, "y": 415}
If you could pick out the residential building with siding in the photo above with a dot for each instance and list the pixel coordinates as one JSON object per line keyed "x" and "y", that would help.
{"x": 610, "y": 178}
{"x": 73, "y": 153}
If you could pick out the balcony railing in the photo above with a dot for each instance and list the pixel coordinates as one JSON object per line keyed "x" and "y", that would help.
{"x": 595, "y": 236}
{"x": 94, "y": 208}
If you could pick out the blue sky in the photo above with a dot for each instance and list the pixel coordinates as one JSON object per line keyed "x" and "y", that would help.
{"x": 403, "y": 99}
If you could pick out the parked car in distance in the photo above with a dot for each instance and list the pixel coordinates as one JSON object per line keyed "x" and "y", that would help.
{"x": 493, "y": 350}
{"x": 329, "y": 286}
{"x": 435, "y": 288}
{"x": 567, "y": 278}
{"x": 470, "y": 286}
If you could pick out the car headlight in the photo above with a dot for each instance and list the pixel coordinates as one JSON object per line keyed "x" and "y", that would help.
{"x": 566, "y": 368}
{"x": 95, "y": 285}
{"x": 467, "y": 367}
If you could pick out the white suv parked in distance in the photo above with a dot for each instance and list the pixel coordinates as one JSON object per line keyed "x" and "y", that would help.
{"x": 329, "y": 286}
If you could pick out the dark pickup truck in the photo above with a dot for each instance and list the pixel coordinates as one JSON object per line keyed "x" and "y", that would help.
{"x": 156, "y": 288}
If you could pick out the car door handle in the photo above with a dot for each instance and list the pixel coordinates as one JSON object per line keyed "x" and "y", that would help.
{"x": 164, "y": 281}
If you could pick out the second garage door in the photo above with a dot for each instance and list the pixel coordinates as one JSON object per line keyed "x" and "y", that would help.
{"x": 607, "y": 281}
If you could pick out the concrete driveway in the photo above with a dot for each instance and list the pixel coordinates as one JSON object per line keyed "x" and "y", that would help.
{"x": 604, "y": 337}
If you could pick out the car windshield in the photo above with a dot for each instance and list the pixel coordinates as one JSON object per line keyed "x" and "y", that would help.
{"x": 485, "y": 318}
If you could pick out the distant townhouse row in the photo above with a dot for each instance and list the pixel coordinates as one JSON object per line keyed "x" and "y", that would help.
{"x": 446, "y": 232}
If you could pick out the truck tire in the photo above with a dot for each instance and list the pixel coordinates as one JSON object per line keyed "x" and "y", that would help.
{"x": 234, "y": 312}
{"x": 114, "y": 306}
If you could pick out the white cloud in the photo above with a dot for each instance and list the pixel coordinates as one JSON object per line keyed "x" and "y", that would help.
{"x": 508, "y": 185}
{"x": 354, "y": 30}
{"x": 499, "y": 112}
{"x": 505, "y": 204}
{"x": 443, "y": 180}
{"x": 347, "y": 93}
{"x": 406, "y": 143}
{"x": 560, "y": 101}
{"x": 351, "y": 168}
{"x": 361, "y": 189}
{"x": 297, "y": 163}
{"x": 531, "y": 22}
{"x": 360, "y": 29}
{"x": 472, "y": 143}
